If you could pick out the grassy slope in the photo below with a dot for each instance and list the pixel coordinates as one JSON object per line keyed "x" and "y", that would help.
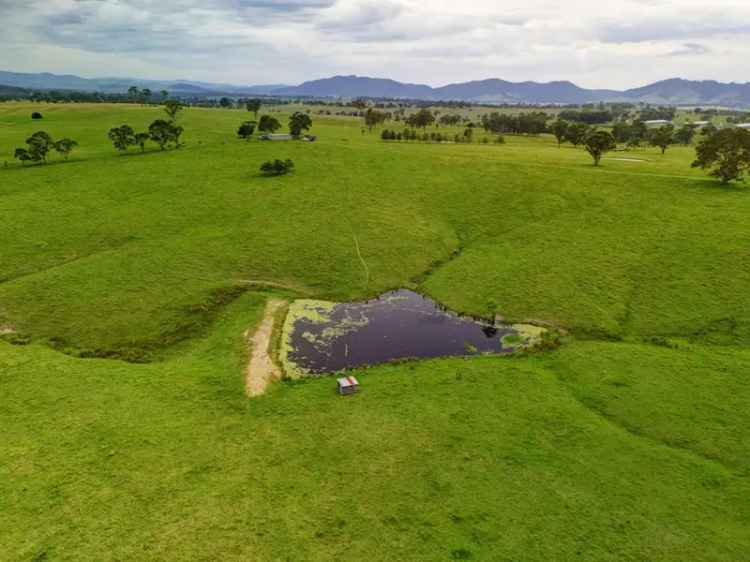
{"x": 601, "y": 451}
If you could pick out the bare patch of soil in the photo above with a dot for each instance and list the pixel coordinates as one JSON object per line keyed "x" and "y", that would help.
{"x": 262, "y": 369}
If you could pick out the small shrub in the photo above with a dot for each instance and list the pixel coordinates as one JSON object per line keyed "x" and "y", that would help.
{"x": 277, "y": 167}
{"x": 36, "y": 115}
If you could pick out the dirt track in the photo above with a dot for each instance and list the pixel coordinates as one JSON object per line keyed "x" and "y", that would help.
{"x": 261, "y": 369}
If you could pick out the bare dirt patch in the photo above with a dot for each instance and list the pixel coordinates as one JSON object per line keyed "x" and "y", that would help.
{"x": 4, "y": 330}
{"x": 262, "y": 369}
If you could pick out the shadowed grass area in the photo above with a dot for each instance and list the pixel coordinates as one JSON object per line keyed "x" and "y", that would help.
{"x": 628, "y": 443}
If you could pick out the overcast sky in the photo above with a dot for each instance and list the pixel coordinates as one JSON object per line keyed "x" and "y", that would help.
{"x": 595, "y": 43}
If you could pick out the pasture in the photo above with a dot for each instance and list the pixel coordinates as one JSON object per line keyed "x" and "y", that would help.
{"x": 128, "y": 281}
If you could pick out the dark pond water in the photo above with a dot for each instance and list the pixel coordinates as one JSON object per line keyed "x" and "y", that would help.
{"x": 398, "y": 325}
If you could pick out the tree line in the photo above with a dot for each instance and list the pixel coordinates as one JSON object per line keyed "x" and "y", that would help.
{"x": 434, "y": 136}
{"x": 163, "y": 132}
{"x": 40, "y": 144}
{"x": 298, "y": 122}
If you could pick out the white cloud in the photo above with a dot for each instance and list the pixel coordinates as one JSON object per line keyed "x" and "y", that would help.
{"x": 620, "y": 43}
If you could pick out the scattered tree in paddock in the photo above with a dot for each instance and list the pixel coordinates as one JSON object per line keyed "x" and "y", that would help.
{"x": 172, "y": 108}
{"x": 277, "y": 167}
{"x": 165, "y": 133}
{"x": 226, "y": 103}
{"x": 37, "y": 147}
{"x": 373, "y": 118}
{"x": 299, "y": 122}
{"x": 39, "y": 144}
{"x": 450, "y": 120}
{"x": 122, "y": 137}
{"x": 622, "y": 131}
{"x": 726, "y": 153}
{"x": 246, "y": 130}
{"x": 253, "y": 106}
{"x": 36, "y": 115}
{"x": 164, "y": 95}
{"x": 421, "y": 119}
{"x": 268, "y": 124}
{"x": 559, "y": 128}
{"x": 22, "y": 155}
{"x": 685, "y": 134}
{"x": 599, "y": 143}
{"x": 576, "y": 133}
{"x": 65, "y": 146}
{"x": 140, "y": 140}
{"x": 662, "y": 137}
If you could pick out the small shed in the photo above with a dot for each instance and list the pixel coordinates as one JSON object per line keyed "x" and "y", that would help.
{"x": 347, "y": 386}
{"x": 743, "y": 126}
{"x": 276, "y": 137}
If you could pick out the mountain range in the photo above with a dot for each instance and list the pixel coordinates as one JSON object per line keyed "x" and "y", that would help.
{"x": 675, "y": 91}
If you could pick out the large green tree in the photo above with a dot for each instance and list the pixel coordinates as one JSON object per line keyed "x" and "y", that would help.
{"x": 373, "y": 118}
{"x": 599, "y": 143}
{"x": 122, "y": 137}
{"x": 299, "y": 122}
{"x": 165, "y": 133}
{"x": 726, "y": 153}
{"x": 268, "y": 124}
{"x": 559, "y": 128}
{"x": 662, "y": 137}
{"x": 39, "y": 144}
{"x": 685, "y": 134}
{"x": 577, "y": 133}
{"x": 246, "y": 130}
{"x": 65, "y": 146}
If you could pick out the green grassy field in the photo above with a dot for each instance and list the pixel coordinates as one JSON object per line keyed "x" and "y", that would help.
{"x": 126, "y": 433}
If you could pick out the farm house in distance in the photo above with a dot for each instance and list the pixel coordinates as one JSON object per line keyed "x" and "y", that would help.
{"x": 657, "y": 123}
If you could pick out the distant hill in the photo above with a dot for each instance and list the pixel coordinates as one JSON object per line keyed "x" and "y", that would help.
{"x": 358, "y": 86}
{"x": 112, "y": 85}
{"x": 501, "y": 91}
{"x": 675, "y": 91}
{"x": 678, "y": 91}
{"x": 8, "y": 91}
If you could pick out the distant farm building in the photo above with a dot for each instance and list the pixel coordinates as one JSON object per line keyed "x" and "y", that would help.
{"x": 657, "y": 123}
{"x": 276, "y": 137}
{"x": 286, "y": 137}
{"x": 700, "y": 124}
{"x": 743, "y": 126}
